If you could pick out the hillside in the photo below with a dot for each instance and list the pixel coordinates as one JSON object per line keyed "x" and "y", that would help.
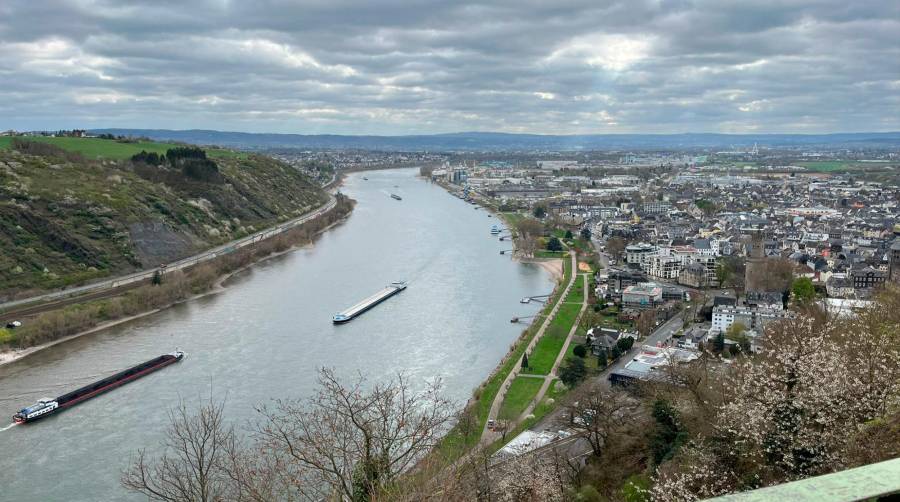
{"x": 74, "y": 209}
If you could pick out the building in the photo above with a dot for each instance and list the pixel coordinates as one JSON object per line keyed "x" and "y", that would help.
{"x": 621, "y": 279}
{"x": 894, "y": 261}
{"x": 694, "y": 275}
{"x": 756, "y": 319}
{"x": 867, "y": 278}
{"x": 656, "y": 207}
{"x": 648, "y": 365}
{"x": 645, "y": 295}
{"x": 755, "y": 270}
{"x": 639, "y": 254}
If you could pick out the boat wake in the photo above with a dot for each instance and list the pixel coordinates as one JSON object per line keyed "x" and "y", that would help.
{"x": 10, "y": 426}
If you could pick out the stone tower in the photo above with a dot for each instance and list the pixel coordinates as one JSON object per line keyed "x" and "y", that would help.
{"x": 894, "y": 263}
{"x": 755, "y": 270}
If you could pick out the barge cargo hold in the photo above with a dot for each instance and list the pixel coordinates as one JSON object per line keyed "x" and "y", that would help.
{"x": 359, "y": 308}
{"x": 48, "y": 406}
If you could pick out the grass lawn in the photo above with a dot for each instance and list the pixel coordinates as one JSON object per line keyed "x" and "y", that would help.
{"x": 543, "y": 253}
{"x": 541, "y": 359}
{"x": 96, "y": 148}
{"x": 512, "y": 219}
{"x": 521, "y": 391}
{"x": 544, "y": 407}
{"x": 576, "y": 294}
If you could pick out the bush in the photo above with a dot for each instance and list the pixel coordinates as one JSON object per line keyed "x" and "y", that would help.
{"x": 554, "y": 244}
{"x": 579, "y": 351}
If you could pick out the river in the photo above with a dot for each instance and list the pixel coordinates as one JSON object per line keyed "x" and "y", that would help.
{"x": 265, "y": 335}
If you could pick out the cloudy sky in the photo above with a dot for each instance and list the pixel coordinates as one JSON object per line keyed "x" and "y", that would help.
{"x": 422, "y": 66}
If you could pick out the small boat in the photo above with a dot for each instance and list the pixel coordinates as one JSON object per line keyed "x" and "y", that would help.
{"x": 495, "y": 230}
{"x": 395, "y": 196}
{"x": 367, "y": 179}
{"x": 525, "y": 300}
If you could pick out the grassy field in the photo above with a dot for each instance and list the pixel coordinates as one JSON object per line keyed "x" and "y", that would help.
{"x": 95, "y": 148}
{"x": 521, "y": 391}
{"x": 827, "y": 166}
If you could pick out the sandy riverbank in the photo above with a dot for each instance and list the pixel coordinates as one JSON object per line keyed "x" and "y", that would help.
{"x": 553, "y": 266}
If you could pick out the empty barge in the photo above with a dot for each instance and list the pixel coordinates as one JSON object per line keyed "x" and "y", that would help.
{"x": 359, "y": 308}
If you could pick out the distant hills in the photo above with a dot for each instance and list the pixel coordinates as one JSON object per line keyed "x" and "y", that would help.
{"x": 491, "y": 141}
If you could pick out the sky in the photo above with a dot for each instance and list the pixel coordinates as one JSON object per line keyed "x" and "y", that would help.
{"x": 422, "y": 66}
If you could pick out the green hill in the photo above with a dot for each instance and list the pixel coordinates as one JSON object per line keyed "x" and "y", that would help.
{"x": 75, "y": 209}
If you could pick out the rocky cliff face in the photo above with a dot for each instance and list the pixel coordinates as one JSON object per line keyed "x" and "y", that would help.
{"x": 65, "y": 220}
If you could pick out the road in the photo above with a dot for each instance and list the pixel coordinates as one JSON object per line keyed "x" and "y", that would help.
{"x": 129, "y": 280}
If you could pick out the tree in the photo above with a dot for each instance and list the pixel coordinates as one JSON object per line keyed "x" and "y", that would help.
{"x": 602, "y": 359}
{"x": 802, "y": 407}
{"x": 540, "y": 212}
{"x": 669, "y": 435}
{"x": 646, "y": 322}
{"x": 625, "y": 343}
{"x": 723, "y": 273}
{"x": 586, "y": 233}
{"x": 568, "y": 234}
{"x": 572, "y": 371}
{"x": 524, "y": 361}
{"x": 615, "y": 246}
{"x": 736, "y": 329}
{"x": 778, "y": 274}
{"x": 616, "y": 352}
{"x": 353, "y": 440}
{"x": 530, "y": 226}
{"x": 719, "y": 343}
{"x": 157, "y": 278}
{"x": 803, "y": 290}
{"x": 598, "y": 414}
{"x": 554, "y": 244}
{"x": 193, "y": 465}
{"x": 579, "y": 351}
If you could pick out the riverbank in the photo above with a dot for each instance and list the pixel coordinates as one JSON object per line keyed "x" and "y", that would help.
{"x": 211, "y": 280}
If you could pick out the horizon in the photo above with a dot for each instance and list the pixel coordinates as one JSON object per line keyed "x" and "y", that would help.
{"x": 456, "y": 133}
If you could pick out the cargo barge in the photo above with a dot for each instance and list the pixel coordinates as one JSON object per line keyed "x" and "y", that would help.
{"x": 48, "y": 406}
{"x": 359, "y": 308}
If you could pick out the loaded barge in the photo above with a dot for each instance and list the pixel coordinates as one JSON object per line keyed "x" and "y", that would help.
{"x": 48, "y": 406}
{"x": 359, "y": 308}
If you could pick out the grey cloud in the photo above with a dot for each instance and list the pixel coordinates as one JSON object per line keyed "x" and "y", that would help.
{"x": 399, "y": 66}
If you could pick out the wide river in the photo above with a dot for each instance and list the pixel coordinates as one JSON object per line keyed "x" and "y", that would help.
{"x": 266, "y": 334}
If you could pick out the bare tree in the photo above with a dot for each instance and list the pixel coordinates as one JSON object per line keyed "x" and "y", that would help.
{"x": 615, "y": 246}
{"x": 194, "y": 464}
{"x": 646, "y": 322}
{"x": 350, "y": 442}
{"x": 598, "y": 413}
